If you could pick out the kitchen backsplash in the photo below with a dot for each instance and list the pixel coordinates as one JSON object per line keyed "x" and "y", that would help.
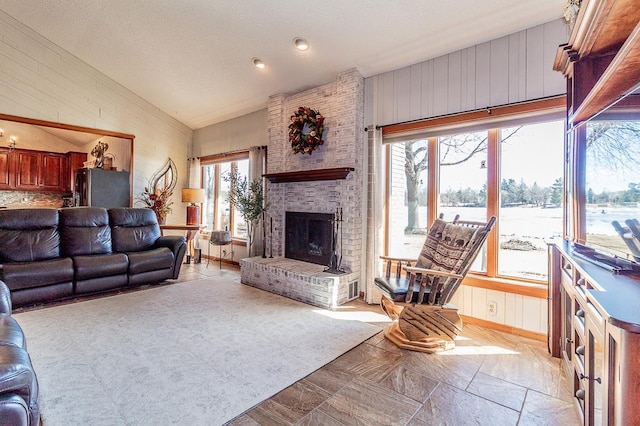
{"x": 23, "y": 199}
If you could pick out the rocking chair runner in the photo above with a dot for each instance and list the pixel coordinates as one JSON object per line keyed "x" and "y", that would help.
{"x": 418, "y": 302}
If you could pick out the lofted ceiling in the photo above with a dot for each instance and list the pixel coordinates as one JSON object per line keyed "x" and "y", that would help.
{"x": 192, "y": 58}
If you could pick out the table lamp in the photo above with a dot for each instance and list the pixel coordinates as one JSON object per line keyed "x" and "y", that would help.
{"x": 193, "y": 196}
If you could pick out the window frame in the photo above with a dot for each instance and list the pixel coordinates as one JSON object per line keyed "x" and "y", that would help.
{"x": 490, "y": 120}
{"x": 216, "y": 160}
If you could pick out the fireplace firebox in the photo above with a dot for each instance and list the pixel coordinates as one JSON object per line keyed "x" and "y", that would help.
{"x": 309, "y": 237}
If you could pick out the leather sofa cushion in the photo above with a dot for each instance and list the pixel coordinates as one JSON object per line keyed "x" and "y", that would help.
{"x": 150, "y": 260}
{"x": 103, "y": 265}
{"x": 19, "y": 276}
{"x": 11, "y": 333}
{"x": 28, "y": 235}
{"x": 84, "y": 231}
{"x": 133, "y": 229}
{"x": 396, "y": 288}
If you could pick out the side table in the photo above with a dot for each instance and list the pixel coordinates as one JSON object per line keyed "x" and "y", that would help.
{"x": 190, "y": 232}
{"x": 220, "y": 238}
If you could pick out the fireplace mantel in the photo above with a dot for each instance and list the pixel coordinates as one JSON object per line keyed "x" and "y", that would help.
{"x": 309, "y": 175}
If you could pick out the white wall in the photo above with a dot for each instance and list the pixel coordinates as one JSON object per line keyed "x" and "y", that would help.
{"x": 40, "y": 80}
{"x": 231, "y": 135}
{"x": 514, "y": 310}
{"x": 514, "y": 68}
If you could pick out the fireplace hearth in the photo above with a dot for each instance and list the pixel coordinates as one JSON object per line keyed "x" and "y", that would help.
{"x": 309, "y": 237}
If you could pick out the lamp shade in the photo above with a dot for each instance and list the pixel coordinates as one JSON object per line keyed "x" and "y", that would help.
{"x": 192, "y": 195}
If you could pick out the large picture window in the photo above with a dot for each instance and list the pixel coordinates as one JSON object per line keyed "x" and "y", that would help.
{"x": 531, "y": 169}
{"x": 513, "y": 172}
{"x": 218, "y": 214}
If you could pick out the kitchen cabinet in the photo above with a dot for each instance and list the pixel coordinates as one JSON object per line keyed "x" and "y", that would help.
{"x": 52, "y": 172}
{"x": 27, "y": 170}
{"x": 6, "y": 175}
{"x": 40, "y": 171}
{"x": 595, "y": 328}
{"x": 75, "y": 162}
{"x": 28, "y": 166}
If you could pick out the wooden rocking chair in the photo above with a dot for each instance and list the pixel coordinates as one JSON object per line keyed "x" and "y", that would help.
{"x": 418, "y": 299}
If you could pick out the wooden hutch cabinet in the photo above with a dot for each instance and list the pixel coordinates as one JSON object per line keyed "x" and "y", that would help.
{"x": 594, "y": 320}
{"x": 594, "y": 313}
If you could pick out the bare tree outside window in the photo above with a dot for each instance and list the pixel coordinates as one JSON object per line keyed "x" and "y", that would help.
{"x": 612, "y": 182}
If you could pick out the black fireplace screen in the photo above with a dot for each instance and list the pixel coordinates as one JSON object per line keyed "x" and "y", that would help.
{"x": 309, "y": 237}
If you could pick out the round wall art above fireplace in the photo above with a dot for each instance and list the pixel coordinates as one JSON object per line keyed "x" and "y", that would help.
{"x": 305, "y": 130}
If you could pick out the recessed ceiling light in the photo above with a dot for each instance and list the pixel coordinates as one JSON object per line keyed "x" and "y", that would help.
{"x": 258, "y": 63}
{"x": 301, "y": 44}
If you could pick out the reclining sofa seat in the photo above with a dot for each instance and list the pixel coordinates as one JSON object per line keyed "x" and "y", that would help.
{"x": 86, "y": 238}
{"x": 136, "y": 233}
{"x": 32, "y": 265}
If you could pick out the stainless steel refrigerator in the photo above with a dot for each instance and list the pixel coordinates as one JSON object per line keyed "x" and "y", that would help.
{"x": 102, "y": 188}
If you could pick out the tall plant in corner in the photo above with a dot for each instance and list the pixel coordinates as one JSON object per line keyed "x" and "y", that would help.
{"x": 248, "y": 198}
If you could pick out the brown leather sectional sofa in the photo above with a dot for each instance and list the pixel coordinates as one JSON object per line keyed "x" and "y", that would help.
{"x": 54, "y": 254}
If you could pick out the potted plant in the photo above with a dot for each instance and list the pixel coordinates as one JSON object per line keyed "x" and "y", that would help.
{"x": 248, "y": 198}
{"x": 159, "y": 201}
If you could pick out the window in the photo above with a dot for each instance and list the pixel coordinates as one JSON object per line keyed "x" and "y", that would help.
{"x": 408, "y": 193}
{"x": 217, "y": 212}
{"x": 463, "y": 181}
{"x": 612, "y": 175}
{"x": 513, "y": 172}
{"x": 530, "y": 215}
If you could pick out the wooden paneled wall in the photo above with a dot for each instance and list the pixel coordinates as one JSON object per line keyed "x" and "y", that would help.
{"x": 514, "y": 68}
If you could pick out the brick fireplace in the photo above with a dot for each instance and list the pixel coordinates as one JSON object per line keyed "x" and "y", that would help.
{"x": 328, "y": 180}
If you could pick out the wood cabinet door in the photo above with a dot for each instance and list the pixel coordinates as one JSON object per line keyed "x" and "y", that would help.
{"x": 75, "y": 161}
{"x": 27, "y": 168}
{"x": 51, "y": 173}
{"x": 595, "y": 370}
{"x": 7, "y": 174}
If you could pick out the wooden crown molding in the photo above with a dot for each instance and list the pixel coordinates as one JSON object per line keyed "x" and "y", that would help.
{"x": 56, "y": 125}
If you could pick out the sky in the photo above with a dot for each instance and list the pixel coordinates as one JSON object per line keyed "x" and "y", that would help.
{"x": 533, "y": 154}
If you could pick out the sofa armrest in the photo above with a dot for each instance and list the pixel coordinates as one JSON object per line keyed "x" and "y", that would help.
{"x": 14, "y": 410}
{"x": 178, "y": 246}
{"x": 18, "y": 377}
{"x": 172, "y": 242}
{"x": 5, "y": 299}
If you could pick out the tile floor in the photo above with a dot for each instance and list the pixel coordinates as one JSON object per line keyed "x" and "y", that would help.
{"x": 490, "y": 378}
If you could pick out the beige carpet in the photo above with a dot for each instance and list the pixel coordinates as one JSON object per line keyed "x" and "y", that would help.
{"x": 194, "y": 353}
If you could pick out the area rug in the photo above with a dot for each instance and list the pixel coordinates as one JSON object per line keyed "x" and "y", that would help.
{"x": 193, "y": 353}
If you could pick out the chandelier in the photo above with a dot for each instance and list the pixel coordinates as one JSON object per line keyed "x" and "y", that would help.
{"x": 10, "y": 146}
